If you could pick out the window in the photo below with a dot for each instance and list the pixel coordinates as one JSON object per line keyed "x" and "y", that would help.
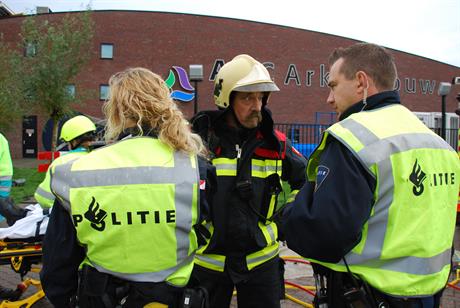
{"x": 106, "y": 51}
{"x": 30, "y": 50}
{"x": 70, "y": 88}
{"x": 103, "y": 92}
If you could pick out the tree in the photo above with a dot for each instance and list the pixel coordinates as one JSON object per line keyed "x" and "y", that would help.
{"x": 10, "y": 107}
{"x": 54, "y": 52}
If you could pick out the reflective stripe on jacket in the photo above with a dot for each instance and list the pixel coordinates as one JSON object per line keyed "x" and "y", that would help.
{"x": 43, "y": 194}
{"x": 6, "y": 168}
{"x": 133, "y": 204}
{"x": 406, "y": 244}
{"x": 260, "y": 169}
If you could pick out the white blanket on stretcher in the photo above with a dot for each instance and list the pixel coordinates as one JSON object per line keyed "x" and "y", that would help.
{"x": 27, "y": 226}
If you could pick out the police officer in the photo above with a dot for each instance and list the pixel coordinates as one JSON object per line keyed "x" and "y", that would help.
{"x": 126, "y": 211}
{"x": 251, "y": 159}
{"x": 377, "y": 214}
{"x": 78, "y": 132}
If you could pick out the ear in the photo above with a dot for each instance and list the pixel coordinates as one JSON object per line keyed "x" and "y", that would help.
{"x": 364, "y": 82}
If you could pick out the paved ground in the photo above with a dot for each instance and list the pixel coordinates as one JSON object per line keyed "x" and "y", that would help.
{"x": 297, "y": 273}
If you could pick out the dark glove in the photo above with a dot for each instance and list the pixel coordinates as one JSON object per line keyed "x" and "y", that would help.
{"x": 10, "y": 211}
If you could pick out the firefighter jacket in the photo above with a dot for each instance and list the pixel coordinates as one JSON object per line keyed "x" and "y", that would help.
{"x": 43, "y": 193}
{"x": 250, "y": 166}
{"x": 6, "y": 168}
{"x": 404, "y": 245}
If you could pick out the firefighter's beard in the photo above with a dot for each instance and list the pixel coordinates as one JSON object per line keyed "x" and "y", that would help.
{"x": 252, "y": 120}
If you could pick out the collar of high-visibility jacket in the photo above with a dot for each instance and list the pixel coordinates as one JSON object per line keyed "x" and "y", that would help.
{"x": 375, "y": 101}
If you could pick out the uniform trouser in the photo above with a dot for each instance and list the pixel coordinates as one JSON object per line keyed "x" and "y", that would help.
{"x": 261, "y": 289}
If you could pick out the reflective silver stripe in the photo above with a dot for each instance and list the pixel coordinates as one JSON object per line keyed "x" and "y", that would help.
{"x": 266, "y": 168}
{"x": 271, "y": 232}
{"x": 45, "y": 194}
{"x": 210, "y": 261}
{"x": 183, "y": 199}
{"x": 264, "y": 257}
{"x": 366, "y": 137}
{"x": 146, "y": 277}
{"x": 63, "y": 178}
{"x": 256, "y": 168}
{"x": 225, "y": 166}
{"x": 410, "y": 265}
{"x": 5, "y": 188}
{"x": 361, "y": 132}
{"x": 6, "y": 178}
{"x": 58, "y": 183}
{"x": 383, "y": 149}
{"x": 378, "y": 151}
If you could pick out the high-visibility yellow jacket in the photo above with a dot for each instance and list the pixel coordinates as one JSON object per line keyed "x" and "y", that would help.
{"x": 43, "y": 194}
{"x": 133, "y": 204}
{"x": 406, "y": 244}
{"x": 6, "y": 168}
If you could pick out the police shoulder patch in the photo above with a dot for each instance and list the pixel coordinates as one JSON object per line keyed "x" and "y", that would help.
{"x": 323, "y": 171}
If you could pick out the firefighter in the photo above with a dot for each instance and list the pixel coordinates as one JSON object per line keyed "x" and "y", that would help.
{"x": 377, "y": 214}
{"x": 78, "y": 132}
{"x": 127, "y": 211}
{"x": 251, "y": 159}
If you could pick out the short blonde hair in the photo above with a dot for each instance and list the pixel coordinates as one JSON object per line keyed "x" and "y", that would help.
{"x": 138, "y": 95}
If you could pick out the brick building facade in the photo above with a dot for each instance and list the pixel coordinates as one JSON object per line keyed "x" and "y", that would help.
{"x": 167, "y": 42}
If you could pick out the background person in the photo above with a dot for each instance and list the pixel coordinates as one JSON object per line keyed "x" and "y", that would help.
{"x": 134, "y": 204}
{"x": 251, "y": 159}
{"x": 6, "y": 179}
{"x": 78, "y": 132}
{"x": 6, "y": 171}
{"x": 375, "y": 216}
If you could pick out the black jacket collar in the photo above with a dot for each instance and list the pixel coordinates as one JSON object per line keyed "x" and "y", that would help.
{"x": 373, "y": 102}
{"x": 210, "y": 120}
{"x": 134, "y": 131}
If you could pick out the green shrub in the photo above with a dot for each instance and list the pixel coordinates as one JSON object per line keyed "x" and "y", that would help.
{"x": 33, "y": 179}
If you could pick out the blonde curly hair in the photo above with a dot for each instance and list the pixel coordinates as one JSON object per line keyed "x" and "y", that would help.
{"x": 139, "y": 96}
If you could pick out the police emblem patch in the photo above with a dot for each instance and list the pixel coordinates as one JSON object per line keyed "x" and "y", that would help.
{"x": 323, "y": 171}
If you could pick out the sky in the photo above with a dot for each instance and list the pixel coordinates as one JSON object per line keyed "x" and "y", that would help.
{"x": 428, "y": 28}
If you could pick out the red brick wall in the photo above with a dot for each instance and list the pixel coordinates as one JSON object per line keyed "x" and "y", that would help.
{"x": 160, "y": 40}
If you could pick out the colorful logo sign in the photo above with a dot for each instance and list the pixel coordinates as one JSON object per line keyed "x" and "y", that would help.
{"x": 184, "y": 83}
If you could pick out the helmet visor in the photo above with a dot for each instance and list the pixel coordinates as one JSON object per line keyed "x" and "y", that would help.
{"x": 258, "y": 87}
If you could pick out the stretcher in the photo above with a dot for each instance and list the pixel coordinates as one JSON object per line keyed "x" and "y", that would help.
{"x": 21, "y": 249}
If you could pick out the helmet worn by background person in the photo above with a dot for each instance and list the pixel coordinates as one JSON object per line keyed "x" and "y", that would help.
{"x": 243, "y": 74}
{"x": 76, "y": 127}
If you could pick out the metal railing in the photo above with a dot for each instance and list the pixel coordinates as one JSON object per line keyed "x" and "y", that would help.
{"x": 305, "y": 137}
